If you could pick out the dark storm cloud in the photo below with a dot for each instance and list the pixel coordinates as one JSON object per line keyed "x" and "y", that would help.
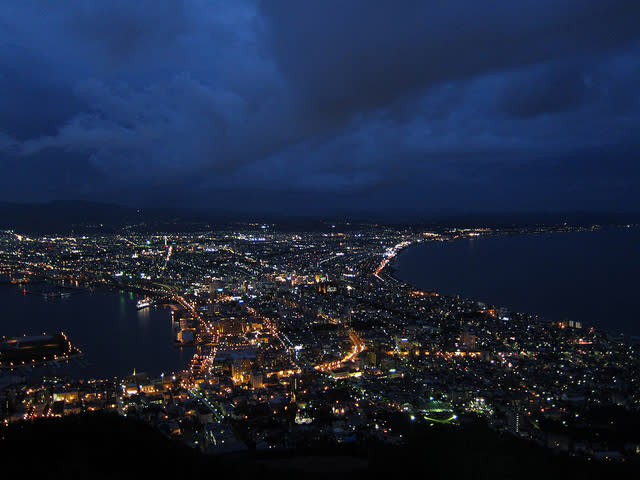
{"x": 551, "y": 89}
{"x": 166, "y": 89}
{"x": 322, "y": 107}
{"x": 345, "y": 56}
{"x": 122, "y": 30}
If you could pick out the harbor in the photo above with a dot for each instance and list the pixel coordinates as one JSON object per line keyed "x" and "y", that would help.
{"x": 32, "y": 351}
{"x": 107, "y": 326}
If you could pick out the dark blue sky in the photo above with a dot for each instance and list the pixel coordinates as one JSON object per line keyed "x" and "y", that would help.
{"x": 327, "y": 107}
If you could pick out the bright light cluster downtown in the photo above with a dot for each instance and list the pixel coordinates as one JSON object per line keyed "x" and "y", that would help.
{"x": 305, "y": 338}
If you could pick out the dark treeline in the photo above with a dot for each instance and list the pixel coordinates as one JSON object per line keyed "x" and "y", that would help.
{"x": 109, "y": 446}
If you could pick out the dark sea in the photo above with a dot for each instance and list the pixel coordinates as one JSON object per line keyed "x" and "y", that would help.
{"x": 591, "y": 277}
{"x": 114, "y": 335}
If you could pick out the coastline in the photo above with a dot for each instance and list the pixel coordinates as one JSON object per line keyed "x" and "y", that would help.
{"x": 393, "y": 270}
{"x": 122, "y": 339}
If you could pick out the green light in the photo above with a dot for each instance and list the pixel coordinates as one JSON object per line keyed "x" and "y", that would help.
{"x": 448, "y": 420}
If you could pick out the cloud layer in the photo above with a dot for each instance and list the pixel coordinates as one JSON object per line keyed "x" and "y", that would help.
{"x": 373, "y": 108}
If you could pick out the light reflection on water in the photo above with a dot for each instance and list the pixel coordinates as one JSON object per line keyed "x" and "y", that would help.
{"x": 114, "y": 335}
{"x": 143, "y": 316}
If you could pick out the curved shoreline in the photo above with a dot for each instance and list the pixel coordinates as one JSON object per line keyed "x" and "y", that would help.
{"x": 392, "y": 264}
{"x": 571, "y": 299}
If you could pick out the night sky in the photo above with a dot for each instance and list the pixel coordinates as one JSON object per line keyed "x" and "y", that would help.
{"x": 326, "y": 107}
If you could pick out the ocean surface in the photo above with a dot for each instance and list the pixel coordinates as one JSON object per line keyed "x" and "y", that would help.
{"x": 114, "y": 336}
{"x": 592, "y": 277}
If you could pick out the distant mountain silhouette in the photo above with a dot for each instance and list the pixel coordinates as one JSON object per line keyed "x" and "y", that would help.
{"x": 81, "y": 216}
{"x": 529, "y": 218}
{"x": 60, "y": 215}
{"x": 78, "y": 216}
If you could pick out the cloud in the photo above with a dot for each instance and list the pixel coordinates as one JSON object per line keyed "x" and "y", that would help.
{"x": 343, "y": 57}
{"x": 324, "y": 107}
{"x": 158, "y": 116}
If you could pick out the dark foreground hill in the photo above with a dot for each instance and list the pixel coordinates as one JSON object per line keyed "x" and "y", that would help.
{"x": 108, "y": 446}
